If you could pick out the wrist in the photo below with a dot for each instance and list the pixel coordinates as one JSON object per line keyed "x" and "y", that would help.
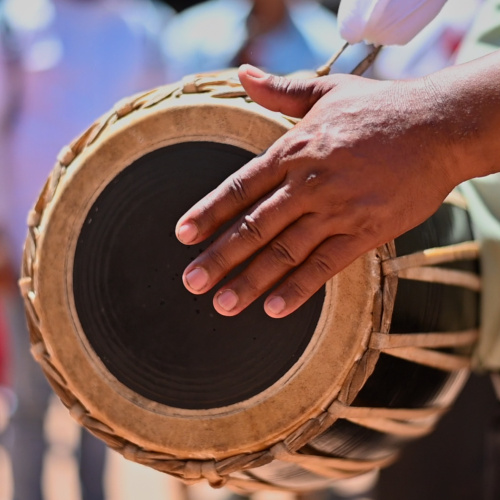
{"x": 427, "y": 121}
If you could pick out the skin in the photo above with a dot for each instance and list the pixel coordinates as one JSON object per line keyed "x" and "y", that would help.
{"x": 369, "y": 161}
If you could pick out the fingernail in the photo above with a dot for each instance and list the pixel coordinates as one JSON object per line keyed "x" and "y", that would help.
{"x": 227, "y": 300}
{"x": 197, "y": 278}
{"x": 254, "y": 72}
{"x": 275, "y": 305}
{"x": 187, "y": 232}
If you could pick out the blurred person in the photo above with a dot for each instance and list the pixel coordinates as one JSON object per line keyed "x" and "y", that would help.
{"x": 77, "y": 58}
{"x": 282, "y": 36}
{"x": 8, "y": 290}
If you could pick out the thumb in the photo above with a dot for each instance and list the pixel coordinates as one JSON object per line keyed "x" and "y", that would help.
{"x": 290, "y": 96}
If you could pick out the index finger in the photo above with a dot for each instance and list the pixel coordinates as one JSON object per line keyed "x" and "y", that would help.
{"x": 238, "y": 192}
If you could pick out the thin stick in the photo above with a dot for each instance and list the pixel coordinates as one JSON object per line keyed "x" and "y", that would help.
{"x": 367, "y": 61}
{"x": 325, "y": 69}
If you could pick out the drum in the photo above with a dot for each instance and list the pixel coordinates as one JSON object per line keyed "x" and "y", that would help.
{"x": 333, "y": 391}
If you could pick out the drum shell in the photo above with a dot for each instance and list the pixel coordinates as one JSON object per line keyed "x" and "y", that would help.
{"x": 128, "y": 421}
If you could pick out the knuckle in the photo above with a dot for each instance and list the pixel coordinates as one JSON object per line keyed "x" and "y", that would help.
{"x": 323, "y": 265}
{"x": 281, "y": 84}
{"x": 366, "y": 228}
{"x": 249, "y": 229}
{"x": 298, "y": 289}
{"x": 217, "y": 258}
{"x": 294, "y": 145}
{"x": 313, "y": 179}
{"x": 283, "y": 254}
{"x": 205, "y": 220}
{"x": 298, "y": 87}
{"x": 237, "y": 190}
{"x": 250, "y": 284}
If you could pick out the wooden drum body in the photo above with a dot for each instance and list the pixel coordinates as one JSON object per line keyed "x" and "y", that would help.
{"x": 332, "y": 391}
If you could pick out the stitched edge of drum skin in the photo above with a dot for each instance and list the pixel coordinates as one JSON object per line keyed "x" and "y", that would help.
{"x": 404, "y": 422}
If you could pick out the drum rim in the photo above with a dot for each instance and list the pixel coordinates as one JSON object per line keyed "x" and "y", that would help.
{"x": 140, "y": 420}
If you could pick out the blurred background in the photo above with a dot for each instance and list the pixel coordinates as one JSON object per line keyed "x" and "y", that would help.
{"x": 63, "y": 63}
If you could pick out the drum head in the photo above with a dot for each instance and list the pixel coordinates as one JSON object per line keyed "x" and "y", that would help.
{"x": 153, "y": 335}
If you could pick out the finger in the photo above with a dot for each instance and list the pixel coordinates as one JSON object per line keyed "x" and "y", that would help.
{"x": 242, "y": 240}
{"x": 235, "y": 194}
{"x": 279, "y": 257}
{"x": 290, "y": 96}
{"x": 328, "y": 259}
{"x": 264, "y": 173}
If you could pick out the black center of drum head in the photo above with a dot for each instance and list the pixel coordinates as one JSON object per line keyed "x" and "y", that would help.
{"x": 153, "y": 335}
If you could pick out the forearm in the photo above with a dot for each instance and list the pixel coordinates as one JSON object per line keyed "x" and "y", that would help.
{"x": 468, "y": 99}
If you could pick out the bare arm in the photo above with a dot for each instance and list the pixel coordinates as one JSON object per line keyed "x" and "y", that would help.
{"x": 369, "y": 161}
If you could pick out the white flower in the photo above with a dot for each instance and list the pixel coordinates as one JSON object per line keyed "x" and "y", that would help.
{"x": 385, "y": 22}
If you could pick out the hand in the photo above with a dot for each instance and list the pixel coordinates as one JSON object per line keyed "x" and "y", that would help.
{"x": 367, "y": 163}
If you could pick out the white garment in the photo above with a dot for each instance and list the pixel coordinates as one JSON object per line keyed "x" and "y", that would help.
{"x": 78, "y": 59}
{"x": 208, "y": 36}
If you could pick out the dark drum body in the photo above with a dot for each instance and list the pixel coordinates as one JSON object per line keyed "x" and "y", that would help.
{"x": 333, "y": 391}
